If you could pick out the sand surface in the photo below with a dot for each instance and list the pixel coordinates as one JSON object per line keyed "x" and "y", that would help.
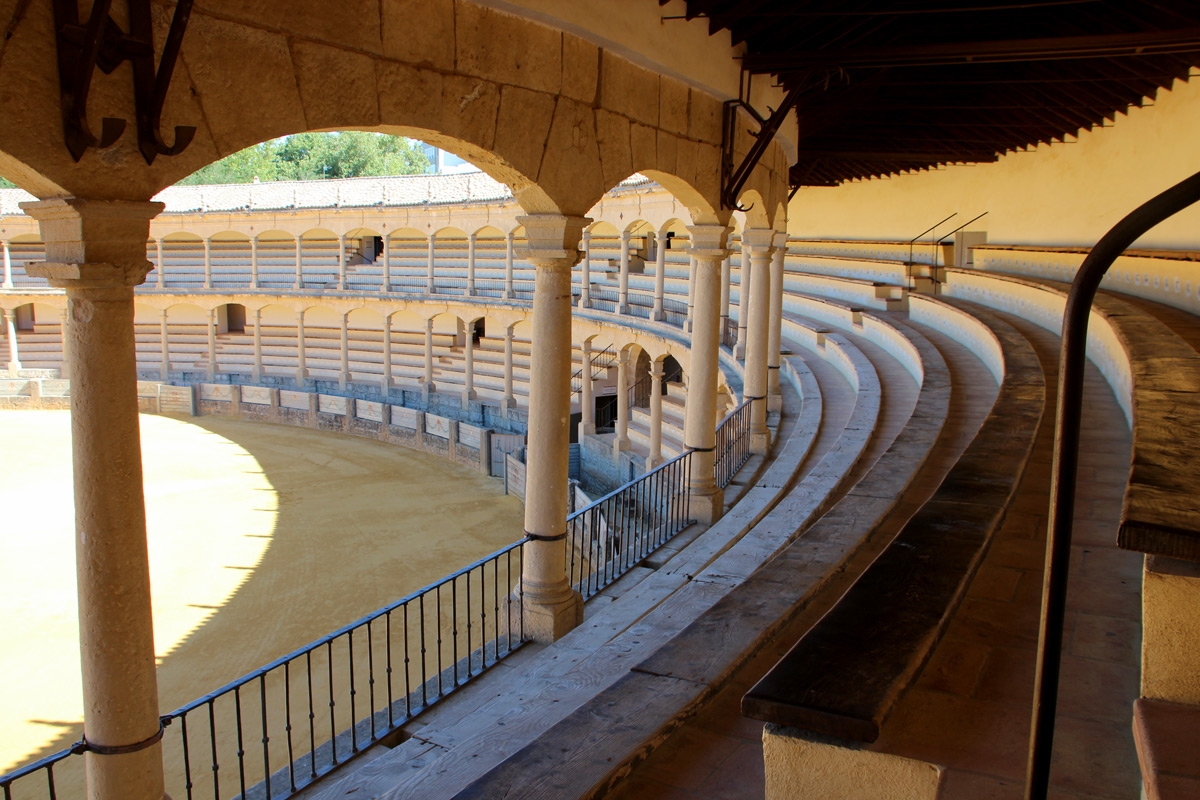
{"x": 262, "y": 538}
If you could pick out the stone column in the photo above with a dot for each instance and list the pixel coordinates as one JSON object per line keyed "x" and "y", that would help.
{"x": 757, "y": 249}
{"x": 64, "y": 328}
{"x": 660, "y": 277}
{"x": 301, "y": 356}
{"x": 469, "y": 367}
{"x": 724, "y": 294}
{"x": 551, "y": 606}
{"x": 429, "y": 288}
{"x": 744, "y": 272}
{"x": 159, "y": 269}
{"x": 10, "y": 327}
{"x": 585, "y": 289}
{"x": 212, "y": 345}
{"x": 622, "y": 440}
{"x": 471, "y": 265}
{"x": 699, "y": 431}
{"x": 344, "y": 372}
{"x": 258, "y": 345}
{"x": 508, "y": 265}
{"x": 587, "y": 402}
{"x": 299, "y": 263}
{"x": 164, "y": 369}
{"x": 8, "y": 284}
{"x": 387, "y": 356}
{"x": 427, "y": 386}
{"x": 208, "y": 278}
{"x": 341, "y": 261}
{"x": 387, "y": 263}
{"x": 96, "y": 251}
{"x": 775, "y": 323}
{"x": 253, "y": 262}
{"x": 510, "y": 400}
{"x": 656, "y": 375}
{"x": 623, "y": 286}
{"x": 691, "y": 293}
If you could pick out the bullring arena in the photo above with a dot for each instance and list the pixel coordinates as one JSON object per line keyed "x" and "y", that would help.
{"x": 692, "y": 448}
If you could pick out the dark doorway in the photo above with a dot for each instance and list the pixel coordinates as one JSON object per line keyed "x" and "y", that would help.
{"x": 236, "y": 315}
{"x": 606, "y": 413}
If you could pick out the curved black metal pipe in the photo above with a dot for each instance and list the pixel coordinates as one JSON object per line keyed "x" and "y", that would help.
{"x": 1066, "y": 463}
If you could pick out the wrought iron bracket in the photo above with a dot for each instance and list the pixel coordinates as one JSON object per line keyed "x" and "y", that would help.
{"x": 100, "y": 42}
{"x": 733, "y": 179}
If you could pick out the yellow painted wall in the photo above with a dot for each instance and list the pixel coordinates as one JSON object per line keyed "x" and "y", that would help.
{"x": 1066, "y": 193}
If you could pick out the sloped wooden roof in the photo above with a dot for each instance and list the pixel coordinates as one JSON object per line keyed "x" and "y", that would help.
{"x": 887, "y": 86}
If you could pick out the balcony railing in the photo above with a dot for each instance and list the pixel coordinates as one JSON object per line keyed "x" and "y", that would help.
{"x": 733, "y": 444}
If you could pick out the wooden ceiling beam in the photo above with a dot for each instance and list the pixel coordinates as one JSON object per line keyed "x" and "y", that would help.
{"x": 987, "y": 52}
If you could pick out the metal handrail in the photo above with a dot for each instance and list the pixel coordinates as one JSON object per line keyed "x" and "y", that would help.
{"x": 1066, "y": 464}
{"x": 397, "y": 635}
{"x": 913, "y": 240}
{"x": 611, "y": 535}
{"x": 732, "y": 445}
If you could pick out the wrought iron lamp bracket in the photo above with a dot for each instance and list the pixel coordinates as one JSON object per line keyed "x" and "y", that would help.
{"x": 100, "y": 42}
{"x": 733, "y": 179}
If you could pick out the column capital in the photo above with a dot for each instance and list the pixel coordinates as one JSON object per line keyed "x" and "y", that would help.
{"x": 626, "y": 235}
{"x": 758, "y": 240}
{"x": 709, "y": 241}
{"x": 656, "y": 369}
{"x": 780, "y": 240}
{"x": 553, "y": 239}
{"x": 587, "y": 235}
{"x": 93, "y": 243}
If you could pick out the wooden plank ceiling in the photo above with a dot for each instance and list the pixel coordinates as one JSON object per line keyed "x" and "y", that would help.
{"x": 887, "y": 87}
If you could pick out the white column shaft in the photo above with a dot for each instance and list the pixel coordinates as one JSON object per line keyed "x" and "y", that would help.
{"x": 469, "y": 366}
{"x": 508, "y": 366}
{"x": 159, "y": 268}
{"x": 623, "y": 287}
{"x": 10, "y": 327}
{"x": 429, "y": 287}
{"x": 508, "y": 265}
{"x": 387, "y": 263}
{"x": 656, "y": 376}
{"x": 258, "y": 345}
{"x": 745, "y": 272}
{"x": 212, "y": 345}
{"x": 341, "y": 261}
{"x": 587, "y": 401}
{"x": 8, "y": 279}
{"x": 691, "y": 301}
{"x": 164, "y": 370}
{"x": 253, "y": 262}
{"x": 585, "y": 289}
{"x": 208, "y": 276}
{"x": 622, "y": 442}
{"x": 775, "y": 324}
{"x": 471, "y": 265}
{"x": 299, "y": 263}
{"x": 757, "y": 323}
{"x": 64, "y": 329}
{"x": 429, "y": 352}
{"x": 660, "y": 277}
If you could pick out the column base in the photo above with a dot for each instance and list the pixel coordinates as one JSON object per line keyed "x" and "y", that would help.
{"x": 426, "y": 390}
{"x": 706, "y": 506}
{"x": 657, "y": 315}
{"x": 13, "y": 366}
{"x": 774, "y": 403}
{"x": 468, "y": 396}
{"x": 508, "y": 404}
{"x": 623, "y": 307}
{"x": 652, "y": 462}
{"x": 586, "y": 429}
{"x": 739, "y": 349}
{"x": 585, "y": 302}
{"x": 619, "y": 446}
{"x": 549, "y": 619}
{"x": 760, "y": 443}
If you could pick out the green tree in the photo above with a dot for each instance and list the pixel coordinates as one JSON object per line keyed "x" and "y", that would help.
{"x": 312, "y": 156}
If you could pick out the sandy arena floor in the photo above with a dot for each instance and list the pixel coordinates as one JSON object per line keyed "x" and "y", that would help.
{"x": 262, "y": 538}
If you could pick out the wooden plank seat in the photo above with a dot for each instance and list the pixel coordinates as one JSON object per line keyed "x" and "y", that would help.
{"x": 846, "y": 673}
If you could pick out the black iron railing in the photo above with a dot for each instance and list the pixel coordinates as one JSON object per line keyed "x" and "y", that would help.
{"x": 608, "y": 537}
{"x": 729, "y": 332}
{"x": 733, "y": 444}
{"x": 599, "y": 362}
{"x": 281, "y": 727}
